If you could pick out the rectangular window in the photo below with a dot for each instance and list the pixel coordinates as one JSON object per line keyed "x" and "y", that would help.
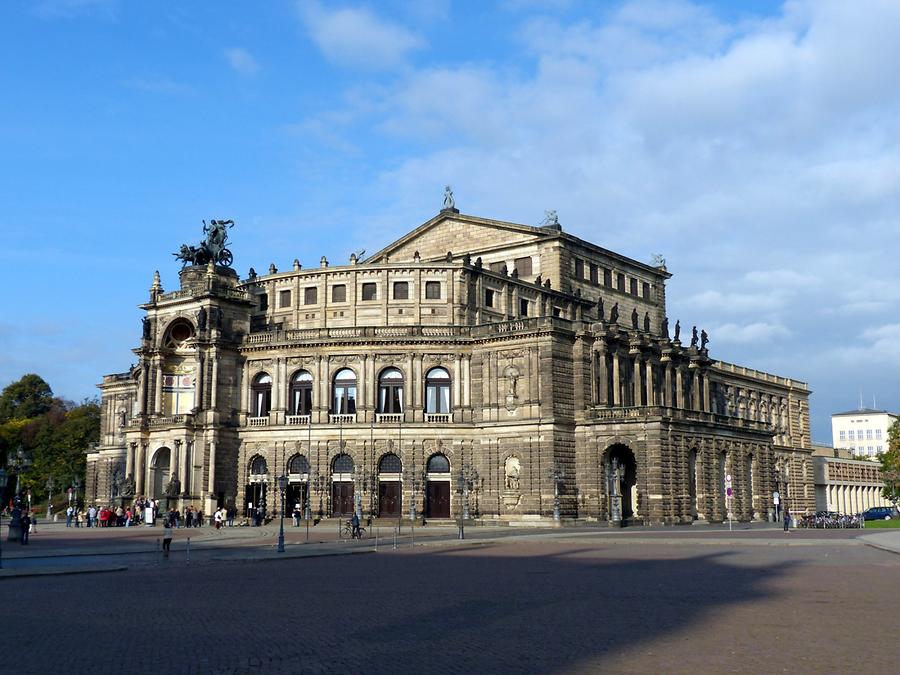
{"x": 579, "y": 269}
{"x": 339, "y": 293}
{"x": 369, "y": 291}
{"x": 595, "y": 271}
{"x": 310, "y": 295}
{"x": 850, "y": 435}
{"x": 263, "y": 302}
{"x": 645, "y": 290}
{"x": 497, "y": 267}
{"x": 284, "y": 298}
{"x": 488, "y": 297}
{"x": 401, "y": 290}
{"x": 607, "y": 278}
{"x": 878, "y": 434}
{"x": 557, "y": 312}
{"x": 523, "y": 266}
{"x": 634, "y": 283}
{"x": 523, "y": 307}
{"x": 432, "y": 290}
{"x": 878, "y": 449}
{"x": 868, "y": 434}
{"x": 620, "y": 281}
{"x": 843, "y": 435}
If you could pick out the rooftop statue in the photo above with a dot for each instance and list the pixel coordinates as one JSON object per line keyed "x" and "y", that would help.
{"x": 551, "y": 220}
{"x": 213, "y": 249}
{"x": 694, "y": 337}
{"x": 449, "y": 202}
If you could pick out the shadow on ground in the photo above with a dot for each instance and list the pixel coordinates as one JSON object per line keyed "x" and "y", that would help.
{"x": 482, "y": 609}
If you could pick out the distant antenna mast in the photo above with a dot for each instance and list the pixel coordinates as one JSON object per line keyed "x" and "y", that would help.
{"x": 860, "y": 399}
{"x": 874, "y": 407}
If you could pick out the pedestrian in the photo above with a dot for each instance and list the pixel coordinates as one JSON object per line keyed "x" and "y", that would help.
{"x": 92, "y": 516}
{"x": 787, "y": 519}
{"x": 354, "y": 523}
{"x": 189, "y": 516}
{"x": 297, "y": 513}
{"x": 232, "y": 512}
{"x": 128, "y": 517}
{"x": 26, "y": 525}
{"x": 217, "y": 519}
{"x": 69, "y": 513}
{"x": 167, "y": 536}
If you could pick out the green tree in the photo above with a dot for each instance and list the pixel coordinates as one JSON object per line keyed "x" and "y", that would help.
{"x": 890, "y": 465}
{"x": 29, "y": 397}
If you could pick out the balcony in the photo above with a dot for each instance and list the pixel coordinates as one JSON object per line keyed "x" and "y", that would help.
{"x": 258, "y": 421}
{"x": 438, "y": 418}
{"x": 342, "y": 419}
{"x": 388, "y": 418}
{"x": 295, "y": 420}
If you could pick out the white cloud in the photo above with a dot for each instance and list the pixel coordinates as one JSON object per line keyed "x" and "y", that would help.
{"x": 241, "y": 61}
{"x": 748, "y": 333}
{"x": 356, "y": 37}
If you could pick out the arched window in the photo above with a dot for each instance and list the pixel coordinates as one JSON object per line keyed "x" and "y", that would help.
{"x": 343, "y": 463}
{"x": 390, "y": 463}
{"x": 258, "y": 466}
{"x": 298, "y": 465}
{"x": 437, "y": 391}
{"x": 390, "y": 391}
{"x": 438, "y": 464}
{"x": 343, "y": 401}
{"x": 178, "y": 333}
{"x": 261, "y": 399}
{"x": 301, "y": 393}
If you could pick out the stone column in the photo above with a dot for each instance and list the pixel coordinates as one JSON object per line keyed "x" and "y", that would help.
{"x": 182, "y": 464}
{"x": 695, "y": 393}
{"x": 636, "y": 384}
{"x": 602, "y": 376}
{"x": 129, "y": 458}
{"x": 140, "y": 470}
{"x": 211, "y": 484}
{"x": 679, "y": 387}
{"x": 201, "y": 384}
{"x": 142, "y": 389}
{"x": 214, "y": 390}
{"x": 617, "y": 389}
{"x": 651, "y": 400}
{"x": 667, "y": 384}
{"x": 157, "y": 399}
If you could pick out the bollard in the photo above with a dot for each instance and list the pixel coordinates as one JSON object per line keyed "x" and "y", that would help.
{"x": 395, "y": 538}
{"x": 376, "y": 539}
{"x": 188, "y": 550}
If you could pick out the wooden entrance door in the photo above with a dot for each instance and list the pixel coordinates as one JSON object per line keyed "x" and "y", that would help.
{"x": 342, "y": 498}
{"x": 389, "y": 499}
{"x": 296, "y": 494}
{"x": 438, "y": 499}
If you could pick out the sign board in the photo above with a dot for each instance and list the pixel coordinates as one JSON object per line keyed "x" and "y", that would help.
{"x": 727, "y": 477}
{"x": 777, "y": 499}
{"x": 775, "y": 495}
{"x": 729, "y": 492}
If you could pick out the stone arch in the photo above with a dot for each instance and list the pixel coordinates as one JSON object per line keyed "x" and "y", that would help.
{"x": 160, "y": 469}
{"x": 620, "y": 465}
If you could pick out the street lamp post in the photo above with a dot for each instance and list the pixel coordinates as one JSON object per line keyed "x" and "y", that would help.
{"x": 460, "y": 488}
{"x": 2, "y": 495}
{"x": 282, "y": 484}
{"x": 50, "y": 485}
{"x": 556, "y": 475}
{"x": 76, "y": 483}
{"x": 20, "y": 462}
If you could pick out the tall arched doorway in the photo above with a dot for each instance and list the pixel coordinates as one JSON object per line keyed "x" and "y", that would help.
{"x": 342, "y": 485}
{"x": 298, "y": 485}
{"x": 160, "y": 469}
{"x": 437, "y": 487}
{"x": 389, "y": 493}
{"x": 621, "y": 472}
{"x": 256, "y": 492}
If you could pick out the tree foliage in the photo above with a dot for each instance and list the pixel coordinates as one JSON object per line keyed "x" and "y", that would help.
{"x": 56, "y": 434}
{"x": 890, "y": 465}
{"x": 29, "y": 397}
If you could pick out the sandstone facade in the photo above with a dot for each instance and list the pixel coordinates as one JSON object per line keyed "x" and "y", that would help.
{"x": 470, "y": 366}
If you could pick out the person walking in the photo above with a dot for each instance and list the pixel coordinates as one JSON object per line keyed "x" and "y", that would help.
{"x": 92, "y": 516}
{"x": 69, "y": 513}
{"x": 167, "y": 536}
{"x": 787, "y": 520}
{"x": 297, "y": 514}
{"x": 354, "y": 523}
{"x": 26, "y": 525}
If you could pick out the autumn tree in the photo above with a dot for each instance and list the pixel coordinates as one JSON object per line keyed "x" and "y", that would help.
{"x": 890, "y": 465}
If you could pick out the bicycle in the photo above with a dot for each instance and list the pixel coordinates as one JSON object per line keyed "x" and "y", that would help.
{"x": 347, "y": 531}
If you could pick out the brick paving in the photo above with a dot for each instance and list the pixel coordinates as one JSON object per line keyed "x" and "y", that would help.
{"x": 532, "y": 605}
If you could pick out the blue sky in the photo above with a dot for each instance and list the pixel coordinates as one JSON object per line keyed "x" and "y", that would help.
{"x": 754, "y": 145}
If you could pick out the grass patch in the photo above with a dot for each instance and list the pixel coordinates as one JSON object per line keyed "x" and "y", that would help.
{"x": 893, "y": 522}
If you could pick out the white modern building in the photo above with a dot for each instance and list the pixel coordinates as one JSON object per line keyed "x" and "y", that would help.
{"x": 863, "y": 431}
